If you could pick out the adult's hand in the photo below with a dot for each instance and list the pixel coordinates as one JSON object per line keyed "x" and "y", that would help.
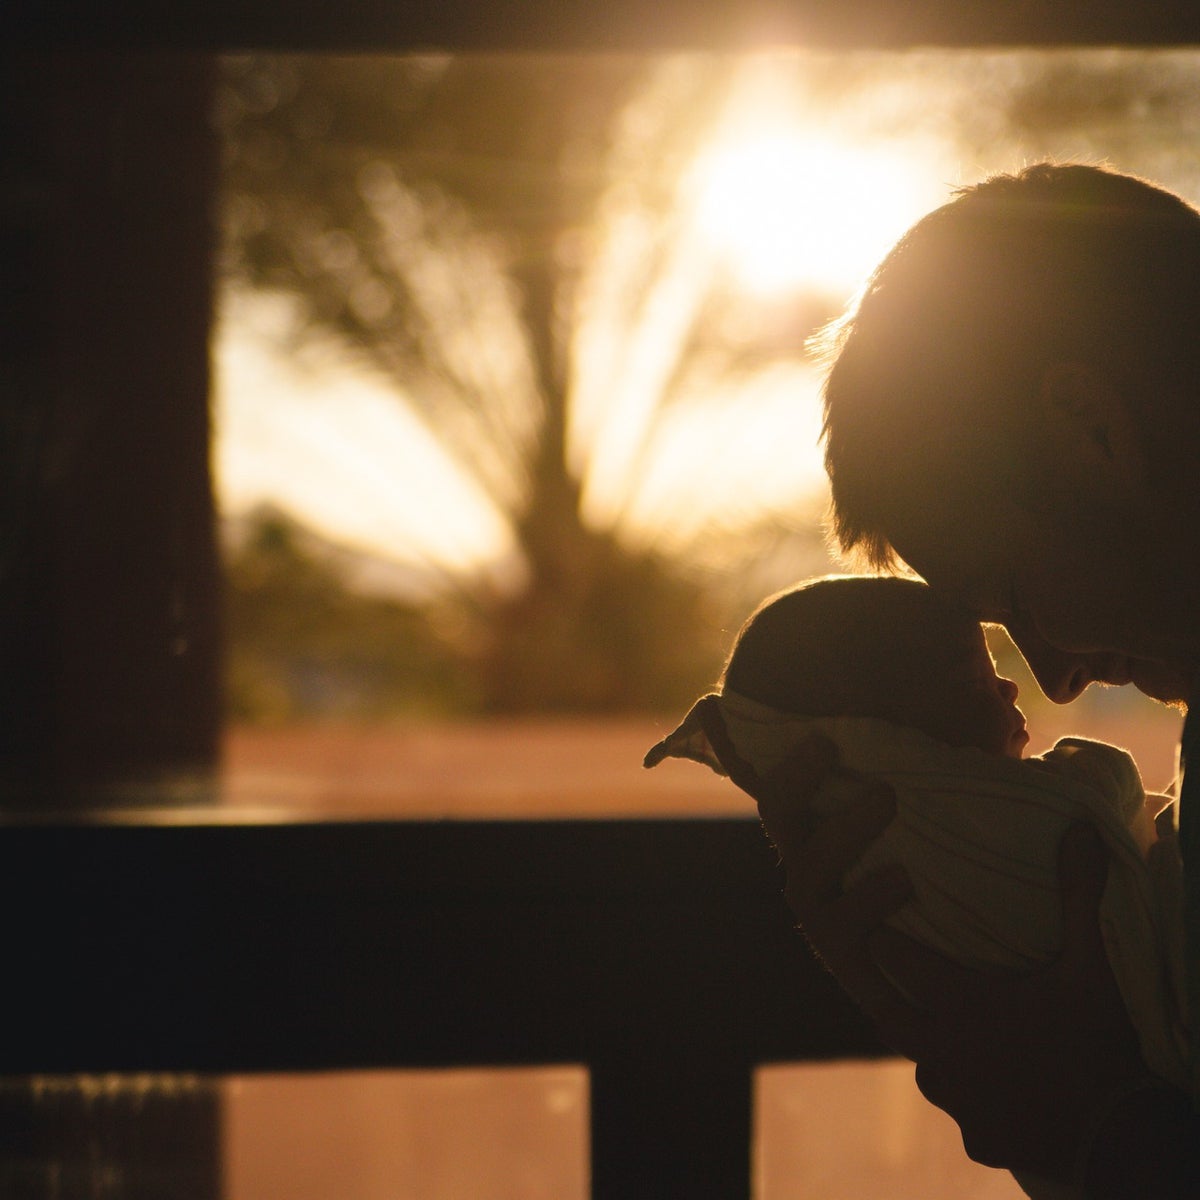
{"x": 1030, "y": 1066}
{"x": 1041, "y": 1071}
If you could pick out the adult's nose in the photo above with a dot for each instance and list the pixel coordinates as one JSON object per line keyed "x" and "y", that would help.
{"x": 1061, "y": 675}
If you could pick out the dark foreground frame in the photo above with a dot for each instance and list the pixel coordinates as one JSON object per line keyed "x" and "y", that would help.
{"x": 583, "y": 25}
{"x": 657, "y": 953}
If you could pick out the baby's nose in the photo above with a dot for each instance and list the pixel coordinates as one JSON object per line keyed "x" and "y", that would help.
{"x": 1008, "y": 689}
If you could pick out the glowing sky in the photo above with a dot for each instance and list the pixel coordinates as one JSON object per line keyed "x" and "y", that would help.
{"x": 338, "y": 449}
{"x": 791, "y": 191}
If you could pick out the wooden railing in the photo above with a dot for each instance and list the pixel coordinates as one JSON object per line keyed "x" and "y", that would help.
{"x": 658, "y": 953}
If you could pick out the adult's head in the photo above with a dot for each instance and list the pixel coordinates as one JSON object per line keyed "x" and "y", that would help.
{"x": 878, "y": 646}
{"x": 1011, "y": 409}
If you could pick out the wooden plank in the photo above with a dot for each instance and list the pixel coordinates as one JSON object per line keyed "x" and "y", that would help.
{"x": 674, "y": 1127}
{"x": 226, "y": 948}
{"x": 575, "y": 25}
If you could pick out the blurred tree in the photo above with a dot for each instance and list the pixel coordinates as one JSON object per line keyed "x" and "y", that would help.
{"x": 1134, "y": 108}
{"x": 439, "y": 216}
{"x": 303, "y": 642}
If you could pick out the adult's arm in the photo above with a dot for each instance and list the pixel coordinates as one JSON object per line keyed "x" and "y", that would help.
{"x": 1148, "y": 1146}
{"x": 1041, "y": 1071}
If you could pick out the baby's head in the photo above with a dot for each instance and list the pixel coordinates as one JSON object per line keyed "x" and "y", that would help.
{"x": 877, "y": 646}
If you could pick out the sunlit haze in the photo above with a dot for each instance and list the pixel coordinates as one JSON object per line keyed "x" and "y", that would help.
{"x": 337, "y": 449}
{"x": 790, "y": 207}
{"x": 795, "y": 186}
{"x": 785, "y": 197}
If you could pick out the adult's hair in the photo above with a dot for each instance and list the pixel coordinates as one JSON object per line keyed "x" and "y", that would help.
{"x": 934, "y": 367}
{"x": 839, "y": 645}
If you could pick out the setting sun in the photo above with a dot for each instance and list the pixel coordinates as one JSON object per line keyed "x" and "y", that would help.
{"x": 789, "y": 207}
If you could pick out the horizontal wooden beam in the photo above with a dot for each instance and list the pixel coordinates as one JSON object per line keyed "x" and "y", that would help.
{"x": 583, "y": 25}
{"x": 275, "y": 947}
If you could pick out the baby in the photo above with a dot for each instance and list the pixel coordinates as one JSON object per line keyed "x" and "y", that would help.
{"x": 905, "y": 687}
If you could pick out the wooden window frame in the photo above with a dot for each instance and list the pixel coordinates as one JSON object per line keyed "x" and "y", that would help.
{"x": 657, "y": 953}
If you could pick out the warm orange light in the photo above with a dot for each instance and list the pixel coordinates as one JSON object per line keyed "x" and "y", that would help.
{"x": 791, "y": 208}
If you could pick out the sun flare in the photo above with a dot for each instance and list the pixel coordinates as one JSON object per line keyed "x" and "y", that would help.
{"x": 790, "y": 207}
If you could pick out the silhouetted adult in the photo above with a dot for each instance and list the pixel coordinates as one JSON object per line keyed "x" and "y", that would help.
{"x": 1013, "y": 409}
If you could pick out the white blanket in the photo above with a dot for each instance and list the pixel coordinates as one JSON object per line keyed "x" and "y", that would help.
{"x": 979, "y": 835}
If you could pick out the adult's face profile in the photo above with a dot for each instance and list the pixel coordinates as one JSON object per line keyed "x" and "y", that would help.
{"x": 1073, "y": 599}
{"x": 1011, "y": 408}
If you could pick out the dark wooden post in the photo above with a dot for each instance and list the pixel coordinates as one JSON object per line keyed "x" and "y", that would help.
{"x": 108, "y": 616}
{"x": 672, "y": 1125}
{"x": 108, "y": 572}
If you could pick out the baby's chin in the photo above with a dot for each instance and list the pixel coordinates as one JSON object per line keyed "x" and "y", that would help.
{"x": 1018, "y": 743}
{"x": 1007, "y": 744}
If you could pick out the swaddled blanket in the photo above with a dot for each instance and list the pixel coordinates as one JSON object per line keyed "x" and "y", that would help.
{"x": 979, "y": 834}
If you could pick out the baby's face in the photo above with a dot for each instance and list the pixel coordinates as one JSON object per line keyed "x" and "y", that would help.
{"x": 961, "y": 700}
